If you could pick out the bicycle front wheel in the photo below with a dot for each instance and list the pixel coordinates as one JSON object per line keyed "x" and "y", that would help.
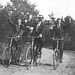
{"x": 6, "y": 57}
{"x": 55, "y": 59}
{"x": 28, "y": 57}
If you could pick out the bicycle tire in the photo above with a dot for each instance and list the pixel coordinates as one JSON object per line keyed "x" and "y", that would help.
{"x": 6, "y": 60}
{"x": 56, "y": 59}
{"x": 28, "y": 57}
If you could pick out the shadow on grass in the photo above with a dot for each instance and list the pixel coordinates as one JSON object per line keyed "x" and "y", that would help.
{"x": 46, "y": 64}
{"x": 12, "y": 63}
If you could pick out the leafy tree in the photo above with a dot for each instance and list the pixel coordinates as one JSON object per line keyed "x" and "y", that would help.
{"x": 69, "y": 28}
{"x": 66, "y": 23}
{"x": 16, "y": 9}
{"x": 21, "y": 9}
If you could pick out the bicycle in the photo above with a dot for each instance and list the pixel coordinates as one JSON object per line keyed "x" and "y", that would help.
{"x": 10, "y": 53}
{"x": 30, "y": 53}
{"x": 56, "y": 54}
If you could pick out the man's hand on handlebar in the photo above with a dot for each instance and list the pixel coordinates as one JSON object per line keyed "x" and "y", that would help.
{"x": 17, "y": 36}
{"x": 40, "y": 36}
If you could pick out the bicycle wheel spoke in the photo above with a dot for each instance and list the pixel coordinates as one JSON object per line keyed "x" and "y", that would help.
{"x": 28, "y": 57}
{"x": 56, "y": 59}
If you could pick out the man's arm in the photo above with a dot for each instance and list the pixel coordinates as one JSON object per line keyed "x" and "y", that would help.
{"x": 20, "y": 34}
{"x": 9, "y": 19}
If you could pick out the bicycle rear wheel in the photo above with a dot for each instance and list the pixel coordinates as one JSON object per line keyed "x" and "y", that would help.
{"x": 28, "y": 57}
{"x": 56, "y": 59}
{"x": 6, "y": 57}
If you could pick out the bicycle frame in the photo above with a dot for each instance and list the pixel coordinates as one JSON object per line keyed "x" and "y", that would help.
{"x": 31, "y": 50}
{"x": 32, "y": 43}
{"x": 57, "y": 44}
{"x": 14, "y": 55}
{"x": 11, "y": 41}
{"x": 32, "y": 46}
{"x": 57, "y": 41}
{"x": 10, "y": 44}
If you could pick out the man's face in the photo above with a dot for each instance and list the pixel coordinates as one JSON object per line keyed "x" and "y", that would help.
{"x": 59, "y": 23}
{"x": 39, "y": 20}
{"x": 31, "y": 29}
{"x": 25, "y": 21}
{"x": 19, "y": 21}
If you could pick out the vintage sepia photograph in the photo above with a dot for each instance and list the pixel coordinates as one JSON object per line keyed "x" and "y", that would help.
{"x": 37, "y": 37}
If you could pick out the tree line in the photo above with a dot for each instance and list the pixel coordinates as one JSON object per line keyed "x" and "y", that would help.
{"x": 25, "y": 10}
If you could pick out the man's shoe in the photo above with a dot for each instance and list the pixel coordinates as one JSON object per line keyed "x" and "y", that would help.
{"x": 61, "y": 61}
{"x": 35, "y": 63}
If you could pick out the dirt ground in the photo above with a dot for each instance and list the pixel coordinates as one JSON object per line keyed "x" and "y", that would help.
{"x": 46, "y": 66}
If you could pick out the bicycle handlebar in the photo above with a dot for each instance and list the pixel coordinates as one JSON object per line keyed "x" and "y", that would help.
{"x": 12, "y": 37}
{"x": 57, "y": 39}
{"x": 34, "y": 37}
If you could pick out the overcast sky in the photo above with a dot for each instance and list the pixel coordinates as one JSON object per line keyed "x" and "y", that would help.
{"x": 59, "y": 7}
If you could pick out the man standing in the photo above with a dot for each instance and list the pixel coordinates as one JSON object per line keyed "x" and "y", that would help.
{"x": 58, "y": 33}
{"x": 19, "y": 30}
{"x": 39, "y": 29}
{"x": 37, "y": 32}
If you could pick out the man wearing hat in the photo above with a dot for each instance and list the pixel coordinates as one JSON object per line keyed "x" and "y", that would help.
{"x": 38, "y": 33}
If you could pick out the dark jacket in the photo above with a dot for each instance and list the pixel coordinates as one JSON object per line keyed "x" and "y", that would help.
{"x": 58, "y": 32}
{"x": 39, "y": 31}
